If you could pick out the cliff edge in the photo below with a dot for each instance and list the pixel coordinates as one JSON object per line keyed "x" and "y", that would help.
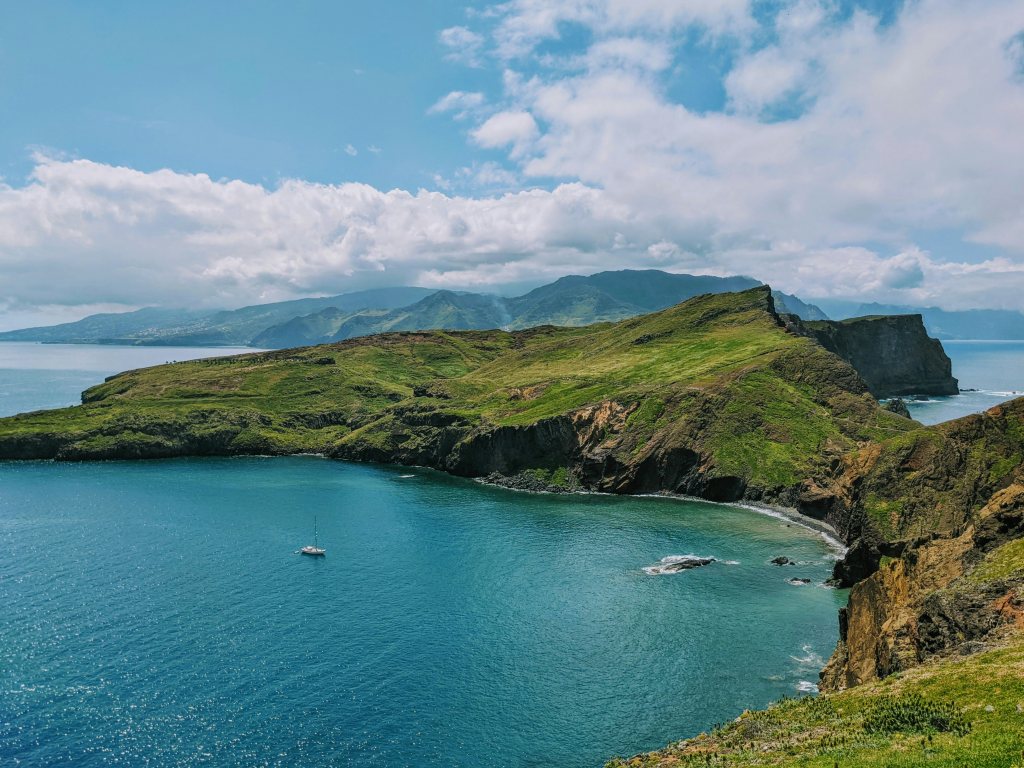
{"x": 892, "y": 353}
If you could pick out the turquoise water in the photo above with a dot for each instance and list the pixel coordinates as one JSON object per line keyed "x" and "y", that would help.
{"x": 34, "y": 376}
{"x": 994, "y": 369}
{"x": 154, "y": 613}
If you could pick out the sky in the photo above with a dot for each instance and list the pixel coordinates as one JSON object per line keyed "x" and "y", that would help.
{"x": 221, "y": 154}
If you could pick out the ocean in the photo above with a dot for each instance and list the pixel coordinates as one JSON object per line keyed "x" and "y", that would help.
{"x": 989, "y": 372}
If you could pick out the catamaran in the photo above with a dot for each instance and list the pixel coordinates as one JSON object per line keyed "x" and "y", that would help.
{"x": 314, "y": 550}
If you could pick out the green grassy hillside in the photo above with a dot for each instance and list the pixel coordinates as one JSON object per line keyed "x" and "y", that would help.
{"x": 718, "y": 377}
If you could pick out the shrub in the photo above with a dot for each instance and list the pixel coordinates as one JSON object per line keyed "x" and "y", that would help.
{"x": 912, "y": 713}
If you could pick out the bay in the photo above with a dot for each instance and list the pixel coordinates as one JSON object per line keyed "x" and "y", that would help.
{"x": 156, "y": 613}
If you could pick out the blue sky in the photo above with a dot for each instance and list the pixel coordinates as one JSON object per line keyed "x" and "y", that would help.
{"x": 224, "y": 153}
{"x": 249, "y": 90}
{"x": 260, "y": 90}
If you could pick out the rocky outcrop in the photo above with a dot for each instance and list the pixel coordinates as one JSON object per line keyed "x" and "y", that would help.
{"x": 931, "y": 601}
{"x": 677, "y": 564}
{"x": 892, "y": 353}
{"x": 898, "y": 406}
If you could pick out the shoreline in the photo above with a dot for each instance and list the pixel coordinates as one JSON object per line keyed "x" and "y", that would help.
{"x": 788, "y": 514}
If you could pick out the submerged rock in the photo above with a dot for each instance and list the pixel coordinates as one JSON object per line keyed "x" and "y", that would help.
{"x": 781, "y": 561}
{"x": 797, "y": 581}
{"x": 677, "y": 563}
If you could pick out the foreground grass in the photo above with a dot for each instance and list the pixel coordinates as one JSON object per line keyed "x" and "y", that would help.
{"x": 952, "y": 713}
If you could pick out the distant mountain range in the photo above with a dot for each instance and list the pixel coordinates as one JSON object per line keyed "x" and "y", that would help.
{"x": 941, "y": 323}
{"x": 234, "y": 327}
{"x": 570, "y": 301}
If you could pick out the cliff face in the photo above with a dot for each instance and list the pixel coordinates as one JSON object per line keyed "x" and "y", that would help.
{"x": 938, "y": 563}
{"x": 892, "y": 353}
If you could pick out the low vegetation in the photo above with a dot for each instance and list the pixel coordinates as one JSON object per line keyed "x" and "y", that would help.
{"x": 955, "y": 713}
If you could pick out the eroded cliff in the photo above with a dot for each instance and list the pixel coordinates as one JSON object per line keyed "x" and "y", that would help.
{"x": 892, "y": 353}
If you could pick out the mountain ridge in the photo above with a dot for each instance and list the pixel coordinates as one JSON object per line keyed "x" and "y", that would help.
{"x": 571, "y": 300}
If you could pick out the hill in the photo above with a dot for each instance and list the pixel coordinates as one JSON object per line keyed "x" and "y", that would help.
{"x": 571, "y": 301}
{"x": 441, "y": 310}
{"x": 141, "y": 324}
{"x": 685, "y": 389}
{"x": 235, "y": 327}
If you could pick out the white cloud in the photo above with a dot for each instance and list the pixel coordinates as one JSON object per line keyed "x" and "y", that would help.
{"x": 351, "y": 151}
{"x": 119, "y": 236}
{"x": 489, "y": 176}
{"x": 463, "y": 44}
{"x": 629, "y": 53}
{"x": 903, "y": 129}
{"x": 517, "y": 129}
{"x": 524, "y": 24}
{"x": 461, "y": 103}
{"x": 763, "y": 79}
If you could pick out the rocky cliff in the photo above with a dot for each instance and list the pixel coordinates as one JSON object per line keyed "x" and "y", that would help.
{"x": 938, "y": 566}
{"x": 892, "y": 353}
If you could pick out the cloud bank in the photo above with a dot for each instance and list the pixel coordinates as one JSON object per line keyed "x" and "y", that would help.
{"x": 841, "y": 144}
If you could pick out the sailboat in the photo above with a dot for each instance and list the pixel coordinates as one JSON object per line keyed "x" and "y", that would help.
{"x": 315, "y": 550}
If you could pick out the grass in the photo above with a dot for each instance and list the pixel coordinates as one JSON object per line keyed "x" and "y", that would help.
{"x": 959, "y": 713}
{"x": 717, "y": 372}
{"x": 1002, "y": 562}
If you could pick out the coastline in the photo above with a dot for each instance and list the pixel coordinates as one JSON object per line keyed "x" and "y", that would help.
{"x": 788, "y": 514}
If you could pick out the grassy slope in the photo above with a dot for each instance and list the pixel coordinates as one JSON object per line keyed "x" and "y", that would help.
{"x": 765, "y": 403}
{"x": 881, "y": 724}
{"x": 934, "y": 478}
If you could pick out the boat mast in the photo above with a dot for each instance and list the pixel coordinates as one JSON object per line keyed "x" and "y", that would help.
{"x": 314, "y": 533}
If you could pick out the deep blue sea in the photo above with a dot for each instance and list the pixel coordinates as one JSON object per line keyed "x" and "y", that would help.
{"x": 156, "y": 614}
